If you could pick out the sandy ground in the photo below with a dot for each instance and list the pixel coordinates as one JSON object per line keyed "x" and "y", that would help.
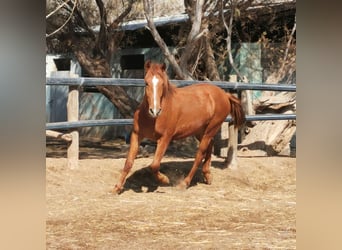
{"x": 253, "y": 207}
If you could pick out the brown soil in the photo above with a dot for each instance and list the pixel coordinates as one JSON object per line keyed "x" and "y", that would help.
{"x": 253, "y": 207}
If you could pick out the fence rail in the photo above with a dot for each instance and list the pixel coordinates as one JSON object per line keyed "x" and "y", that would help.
{"x": 118, "y": 122}
{"x": 127, "y": 82}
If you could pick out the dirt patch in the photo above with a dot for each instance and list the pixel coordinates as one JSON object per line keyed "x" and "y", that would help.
{"x": 253, "y": 207}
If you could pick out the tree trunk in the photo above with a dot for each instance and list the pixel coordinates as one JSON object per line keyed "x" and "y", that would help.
{"x": 99, "y": 67}
{"x": 122, "y": 101}
{"x": 211, "y": 68}
{"x": 94, "y": 54}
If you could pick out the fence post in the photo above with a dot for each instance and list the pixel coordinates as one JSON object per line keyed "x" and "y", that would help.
{"x": 72, "y": 113}
{"x": 221, "y": 140}
{"x": 231, "y": 159}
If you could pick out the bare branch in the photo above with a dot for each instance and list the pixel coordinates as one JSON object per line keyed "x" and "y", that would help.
{"x": 82, "y": 23}
{"x": 170, "y": 57}
{"x": 289, "y": 41}
{"x": 196, "y": 25}
{"x": 199, "y": 56}
{"x": 194, "y": 34}
{"x": 229, "y": 29}
{"x": 57, "y": 9}
{"x": 102, "y": 37}
{"x": 120, "y": 18}
{"x": 59, "y": 135}
{"x": 68, "y": 19}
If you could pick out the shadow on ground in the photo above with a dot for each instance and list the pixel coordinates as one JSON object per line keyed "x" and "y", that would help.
{"x": 97, "y": 149}
{"x": 143, "y": 179}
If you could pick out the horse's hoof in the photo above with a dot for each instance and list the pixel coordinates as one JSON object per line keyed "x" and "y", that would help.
{"x": 182, "y": 185}
{"x": 163, "y": 179}
{"x": 117, "y": 190}
{"x": 208, "y": 178}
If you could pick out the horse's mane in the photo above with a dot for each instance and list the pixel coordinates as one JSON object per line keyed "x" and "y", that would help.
{"x": 170, "y": 87}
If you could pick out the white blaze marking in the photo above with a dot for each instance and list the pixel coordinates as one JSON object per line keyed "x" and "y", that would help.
{"x": 155, "y": 84}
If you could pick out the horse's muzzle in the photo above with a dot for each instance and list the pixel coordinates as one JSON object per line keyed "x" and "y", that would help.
{"x": 154, "y": 113}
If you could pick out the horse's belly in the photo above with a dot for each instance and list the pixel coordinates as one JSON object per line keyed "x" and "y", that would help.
{"x": 189, "y": 129}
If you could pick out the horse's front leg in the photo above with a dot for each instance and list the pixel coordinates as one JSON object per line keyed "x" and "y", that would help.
{"x": 162, "y": 145}
{"x": 132, "y": 153}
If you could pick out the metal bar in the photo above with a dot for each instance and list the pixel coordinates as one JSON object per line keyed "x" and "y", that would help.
{"x": 91, "y": 81}
{"x": 118, "y": 122}
{"x": 242, "y": 86}
{"x": 269, "y": 117}
{"x": 88, "y": 123}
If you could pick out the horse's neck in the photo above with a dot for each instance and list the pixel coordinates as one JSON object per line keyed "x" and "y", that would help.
{"x": 169, "y": 89}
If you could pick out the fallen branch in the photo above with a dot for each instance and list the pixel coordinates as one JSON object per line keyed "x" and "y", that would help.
{"x": 59, "y": 135}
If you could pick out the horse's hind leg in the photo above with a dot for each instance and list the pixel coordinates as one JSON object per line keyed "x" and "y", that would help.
{"x": 206, "y": 164}
{"x": 201, "y": 153}
{"x": 207, "y": 160}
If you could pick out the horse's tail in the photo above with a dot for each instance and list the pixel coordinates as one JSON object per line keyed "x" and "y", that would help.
{"x": 236, "y": 111}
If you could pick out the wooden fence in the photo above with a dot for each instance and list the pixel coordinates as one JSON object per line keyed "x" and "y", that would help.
{"x": 72, "y": 106}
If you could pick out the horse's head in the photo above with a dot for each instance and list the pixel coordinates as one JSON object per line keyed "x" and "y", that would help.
{"x": 156, "y": 83}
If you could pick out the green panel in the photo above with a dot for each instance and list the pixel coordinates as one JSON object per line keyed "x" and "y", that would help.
{"x": 250, "y": 64}
{"x": 247, "y": 58}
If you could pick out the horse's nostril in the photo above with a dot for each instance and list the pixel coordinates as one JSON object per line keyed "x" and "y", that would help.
{"x": 154, "y": 113}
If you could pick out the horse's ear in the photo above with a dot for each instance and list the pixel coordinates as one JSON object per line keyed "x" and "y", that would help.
{"x": 163, "y": 67}
{"x": 147, "y": 65}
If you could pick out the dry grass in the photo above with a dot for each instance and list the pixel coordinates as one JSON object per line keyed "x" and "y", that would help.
{"x": 252, "y": 208}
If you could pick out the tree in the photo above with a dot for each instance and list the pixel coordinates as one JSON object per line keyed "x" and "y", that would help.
{"x": 94, "y": 50}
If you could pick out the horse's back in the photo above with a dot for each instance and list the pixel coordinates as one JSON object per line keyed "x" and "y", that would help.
{"x": 196, "y": 106}
{"x": 204, "y": 89}
{"x": 205, "y": 96}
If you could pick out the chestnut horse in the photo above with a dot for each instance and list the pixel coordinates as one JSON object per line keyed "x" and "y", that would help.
{"x": 168, "y": 113}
